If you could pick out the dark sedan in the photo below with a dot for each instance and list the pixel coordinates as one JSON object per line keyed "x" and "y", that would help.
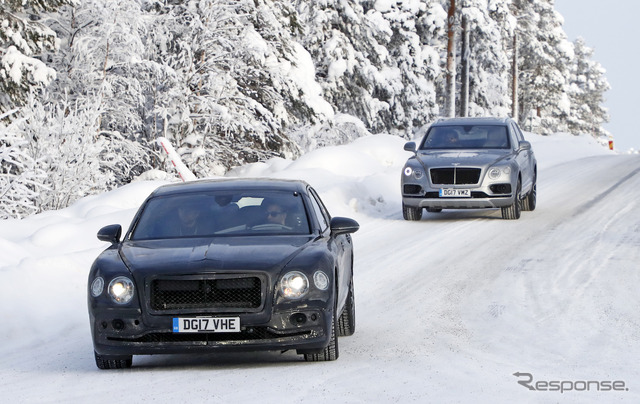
{"x": 223, "y": 265}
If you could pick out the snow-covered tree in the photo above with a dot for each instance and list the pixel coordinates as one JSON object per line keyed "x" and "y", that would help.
{"x": 54, "y": 154}
{"x": 586, "y": 92}
{"x": 490, "y": 27}
{"x": 21, "y": 177}
{"x": 24, "y": 42}
{"x": 373, "y": 61}
{"x": 544, "y": 55}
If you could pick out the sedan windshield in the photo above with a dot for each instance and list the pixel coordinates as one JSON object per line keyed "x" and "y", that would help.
{"x": 222, "y": 213}
{"x": 466, "y": 137}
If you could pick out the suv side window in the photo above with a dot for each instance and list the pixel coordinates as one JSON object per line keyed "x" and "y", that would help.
{"x": 516, "y": 135}
{"x": 319, "y": 210}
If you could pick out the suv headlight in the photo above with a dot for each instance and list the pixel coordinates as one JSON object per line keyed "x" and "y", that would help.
{"x": 416, "y": 173}
{"x": 121, "y": 290}
{"x": 496, "y": 172}
{"x": 294, "y": 285}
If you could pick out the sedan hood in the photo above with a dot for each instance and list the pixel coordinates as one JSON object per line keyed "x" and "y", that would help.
{"x": 183, "y": 256}
{"x": 474, "y": 158}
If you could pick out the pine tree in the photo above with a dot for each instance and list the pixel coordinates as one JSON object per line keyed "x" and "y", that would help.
{"x": 586, "y": 91}
{"x": 544, "y": 54}
{"x": 24, "y": 43}
{"x": 489, "y": 32}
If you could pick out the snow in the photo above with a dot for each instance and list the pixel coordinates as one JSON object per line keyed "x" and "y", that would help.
{"x": 448, "y": 308}
{"x": 15, "y": 63}
{"x": 302, "y": 73}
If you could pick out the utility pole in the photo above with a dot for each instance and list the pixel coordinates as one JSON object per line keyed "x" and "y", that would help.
{"x": 450, "y": 108}
{"x": 514, "y": 79}
{"x": 464, "y": 91}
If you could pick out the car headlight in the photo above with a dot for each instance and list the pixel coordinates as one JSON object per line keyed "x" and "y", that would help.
{"x": 121, "y": 290}
{"x": 294, "y": 285}
{"x": 417, "y": 173}
{"x": 321, "y": 280}
{"x": 496, "y": 172}
{"x": 97, "y": 286}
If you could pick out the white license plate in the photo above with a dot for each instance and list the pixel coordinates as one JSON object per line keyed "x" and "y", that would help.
{"x": 455, "y": 193}
{"x": 206, "y": 324}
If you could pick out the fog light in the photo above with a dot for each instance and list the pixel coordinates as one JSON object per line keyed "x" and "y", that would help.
{"x": 117, "y": 324}
{"x": 298, "y": 318}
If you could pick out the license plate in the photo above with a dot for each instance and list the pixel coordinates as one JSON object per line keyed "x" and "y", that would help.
{"x": 206, "y": 324}
{"x": 454, "y": 193}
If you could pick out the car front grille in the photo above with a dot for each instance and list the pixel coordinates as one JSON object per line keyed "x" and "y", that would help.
{"x": 455, "y": 176}
{"x": 223, "y": 294}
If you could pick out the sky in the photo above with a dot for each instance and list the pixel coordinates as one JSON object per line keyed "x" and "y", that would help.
{"x": 611, "y": 28}
{"x": 461, "y": 306}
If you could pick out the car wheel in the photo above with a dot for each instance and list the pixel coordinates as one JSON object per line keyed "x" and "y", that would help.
{"x": 330, "y": 353}
{"x": 410, "y": 213}
{"x": 347, "y": 320}
{"x": 512, "y": 211}
{"x": 529, "y": 202}
{"x": 105, "y": 362}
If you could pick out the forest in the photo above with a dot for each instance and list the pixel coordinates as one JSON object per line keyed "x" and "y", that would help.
{"x": 87, "y": 87}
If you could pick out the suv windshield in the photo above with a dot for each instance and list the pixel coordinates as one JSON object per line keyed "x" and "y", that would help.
{"x": 466, "y": 137}
{"x": 222, "y": 213}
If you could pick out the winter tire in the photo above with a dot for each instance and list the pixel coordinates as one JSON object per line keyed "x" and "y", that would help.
{"x": 347, "y": 320}
{"x": 330, "y": 353}
{"x": 529, "y": 201}
{"x": 105, "y": 362}
{"x": 512, "y": 212}
{"x": 410, "y": 213}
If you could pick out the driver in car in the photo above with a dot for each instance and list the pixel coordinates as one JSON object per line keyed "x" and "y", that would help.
{"x": 275, "y": 213}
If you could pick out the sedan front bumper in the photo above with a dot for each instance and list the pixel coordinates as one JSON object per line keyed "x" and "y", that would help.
{"x": 121, "y": 332}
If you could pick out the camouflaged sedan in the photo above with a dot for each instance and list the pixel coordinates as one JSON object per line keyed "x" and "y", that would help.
{"x": 470, "y": 163}
{"x": 226, "y": 265}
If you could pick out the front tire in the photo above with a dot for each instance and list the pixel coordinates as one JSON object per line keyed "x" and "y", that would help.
{"x": 330, "y": 353}
{"x": 347, "y": 320}
{"x": 529, "y": 201}
{"x": 106, "y": 362}
{"x": 410, "y": 213}
{"x": 512, "y": 212}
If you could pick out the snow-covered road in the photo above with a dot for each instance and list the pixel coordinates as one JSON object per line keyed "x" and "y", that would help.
{"x": 448, "y": 308}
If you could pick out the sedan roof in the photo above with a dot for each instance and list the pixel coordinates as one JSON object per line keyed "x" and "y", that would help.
{"x": 231, "y": 184}
{"x": 471, "y": 121}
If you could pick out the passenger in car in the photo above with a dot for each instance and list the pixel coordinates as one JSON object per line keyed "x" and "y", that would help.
{"x": 496, "y": 138}
{"x": 275, "y": 212}
{"x": 442, "y": 139}
{"x": 191, "y": 224}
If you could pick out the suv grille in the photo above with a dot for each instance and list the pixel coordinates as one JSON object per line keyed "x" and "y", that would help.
{"x": 223, "y": 294}
{"x": 455, "y": 176}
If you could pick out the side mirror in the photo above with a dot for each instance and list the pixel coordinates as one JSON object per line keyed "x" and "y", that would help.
{"x": 524, "y": 145}
{"x": 110, "y": 234}
{"x": 410, "y": 146}
{"x": 343, "y": 225}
